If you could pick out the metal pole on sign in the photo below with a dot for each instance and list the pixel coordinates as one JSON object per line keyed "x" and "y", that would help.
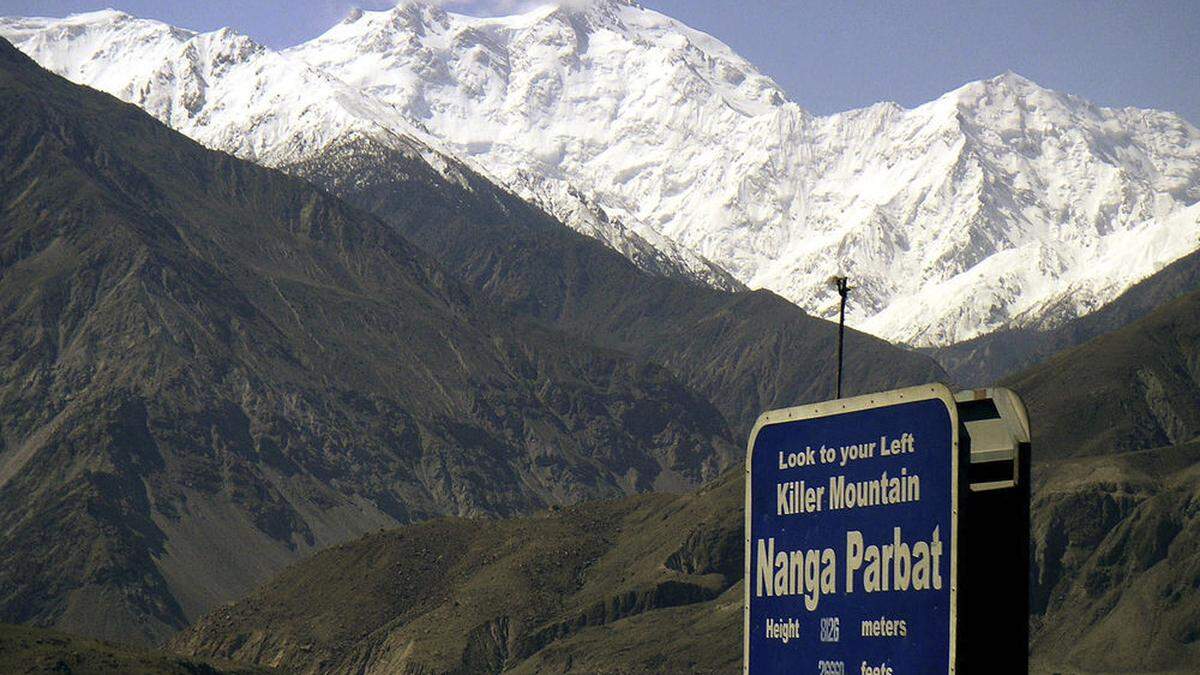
{"x": 843, "y": 289}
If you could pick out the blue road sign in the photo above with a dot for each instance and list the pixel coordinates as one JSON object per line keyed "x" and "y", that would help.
{"x": 851, "y": 527}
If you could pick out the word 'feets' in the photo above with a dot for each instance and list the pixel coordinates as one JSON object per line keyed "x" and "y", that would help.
{"x": 898, "y": 566}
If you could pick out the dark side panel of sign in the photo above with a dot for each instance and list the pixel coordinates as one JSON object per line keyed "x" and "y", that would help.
{"x": 851, "y": 530}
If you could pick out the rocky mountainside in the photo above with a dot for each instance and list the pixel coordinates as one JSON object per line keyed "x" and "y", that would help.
{"x": 999, "y": 204}
{"x": 457, "y": 595}
{"x": 230, "y": 93}
{"x": 1116, "y": 573}
{"x": 1135, "y": 388}
{"x": 36, "y": 650}
{"x": 1114, "y": 585}
{"x": 744, "y": 353}
{"x": 652, "y": 583}
{"x": 211, "y": 369}
{"x": 1115, "y": 532}
{"x": 208, "y": 369}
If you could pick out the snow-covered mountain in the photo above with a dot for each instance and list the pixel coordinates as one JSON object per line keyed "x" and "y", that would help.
{"x": 229, "y": 93}
{"x": 220, "y": 88}
{"x": 984, "y": 208}
{"x": 1000, "y": 203}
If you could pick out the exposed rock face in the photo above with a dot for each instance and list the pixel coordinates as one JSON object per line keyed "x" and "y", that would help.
{"x": 469, "y": 596}
{"x": 1115, "y": 577}
{"x": 745, "y": 352}
{"x": 210, "y": 370}
{"x": 1115, "y": 564}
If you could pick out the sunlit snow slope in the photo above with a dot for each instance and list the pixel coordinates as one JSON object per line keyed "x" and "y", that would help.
{"x": 1000, "y": 203}
{"x": 229, "y": 93}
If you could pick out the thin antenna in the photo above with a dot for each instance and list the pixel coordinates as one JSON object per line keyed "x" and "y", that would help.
{"x": 843, "y": 289}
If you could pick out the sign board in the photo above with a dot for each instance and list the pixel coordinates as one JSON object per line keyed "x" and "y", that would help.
{"x": 851, "y": 536}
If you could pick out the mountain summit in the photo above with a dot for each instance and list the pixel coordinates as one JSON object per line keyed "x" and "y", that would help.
{"x": 232, "y": 94}
{"x": 1000, "y": 204}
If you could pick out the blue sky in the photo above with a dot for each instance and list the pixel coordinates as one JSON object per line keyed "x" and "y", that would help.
{"x": 835, "y": 55}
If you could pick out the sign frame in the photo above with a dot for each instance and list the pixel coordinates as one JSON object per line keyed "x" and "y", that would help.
{"x": 924, "y": 392}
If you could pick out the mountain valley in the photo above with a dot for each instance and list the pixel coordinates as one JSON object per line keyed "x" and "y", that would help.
{"x": 212, "y": 369}
{"x": 431, "y": 344}
{"x": 654, "y": 582}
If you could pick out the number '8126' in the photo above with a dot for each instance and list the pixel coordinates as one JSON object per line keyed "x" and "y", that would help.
{"x": 830, "y": 631}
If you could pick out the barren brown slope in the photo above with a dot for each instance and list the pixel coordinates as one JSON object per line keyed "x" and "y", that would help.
{"x": 1115, "y": 577}
{"x": 1116, "y": 585}
{"x": 1117, "y": 562}
{"x": 32, "y": 651}
{"x": 209, "y": 369}
{"x": 481, "y": 596}
{"x": 1116, "y": 426}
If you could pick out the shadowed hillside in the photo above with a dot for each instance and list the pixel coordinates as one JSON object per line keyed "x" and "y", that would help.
{"x": 209, "y": 369}
{"x": 1134, "y": 388}
{"x": 37, "y": 650}
{"x": 574, "y": 587}
{"x": 1115, "y": 575}
{"x": 745, "y": 352}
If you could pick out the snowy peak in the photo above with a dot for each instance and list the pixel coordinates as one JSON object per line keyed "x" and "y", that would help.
{"x": 975, "y": 211}
{"x": 232, "y": 94}
{"x": 481, "y": 85}
{"x": 221, "y": 88}
{"x": 1001, "y": 203}
{"x": 587, "y": 16}
{"x": 445, "y": 48}
{"x": 1032, "y": 189}
{"x": 107, "y": 48}
{"x": 1011, "y": 114}
{"x": 543, "y": 93}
